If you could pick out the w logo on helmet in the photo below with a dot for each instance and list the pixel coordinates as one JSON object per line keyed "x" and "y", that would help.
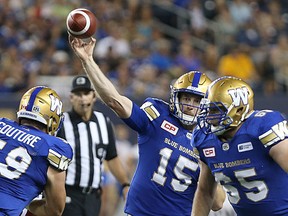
{"x": 56, "y": 104}
{"x": 238, "y": 95}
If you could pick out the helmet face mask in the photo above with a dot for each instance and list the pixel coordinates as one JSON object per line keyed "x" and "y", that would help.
{"x": 43, "y": 105}
{"x": 213, "y": 117}
{"x": 228, "y": 102}
{"x": 181, "y": 106}
{"x": 195, "y": 84}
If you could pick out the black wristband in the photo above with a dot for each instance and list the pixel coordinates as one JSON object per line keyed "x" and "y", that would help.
{"x": 125, "y": 185}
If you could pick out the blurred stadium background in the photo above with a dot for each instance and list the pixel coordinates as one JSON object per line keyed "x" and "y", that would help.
{"x": 143, "y": 45}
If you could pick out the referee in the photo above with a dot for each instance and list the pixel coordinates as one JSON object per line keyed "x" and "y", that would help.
{"x": 91, "y": 135}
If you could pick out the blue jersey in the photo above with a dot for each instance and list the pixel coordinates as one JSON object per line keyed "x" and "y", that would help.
{"x": 25, "y": 155}
{"x": 256, "y": 184}
{"x": 166, "y": 176}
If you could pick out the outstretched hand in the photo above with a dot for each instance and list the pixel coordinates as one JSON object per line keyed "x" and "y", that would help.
{"x": 82, "y": 48}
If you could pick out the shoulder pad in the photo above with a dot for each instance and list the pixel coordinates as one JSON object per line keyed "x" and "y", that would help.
{"x": 157, "y": 100}
{"x": 63, "y": 140}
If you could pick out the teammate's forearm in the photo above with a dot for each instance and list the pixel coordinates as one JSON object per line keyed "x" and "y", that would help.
{"x": 219, "y": 198}
{"x": 201, "y": 205}
{"x": 40, "y": 208}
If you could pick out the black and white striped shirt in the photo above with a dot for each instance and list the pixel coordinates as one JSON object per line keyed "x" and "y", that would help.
{"x": 92, "y": 142}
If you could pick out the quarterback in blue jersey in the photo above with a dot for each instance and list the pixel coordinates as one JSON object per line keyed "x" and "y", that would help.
{"x": 167, "y": 173}
{"x": 32, "y": 159}
{"x": 245, "y": 150}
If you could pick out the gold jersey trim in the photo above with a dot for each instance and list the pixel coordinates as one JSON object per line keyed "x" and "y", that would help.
{"x": 150, "y": 111}
{"x": 58, "y": 161}
{"x": 276, "y": 133}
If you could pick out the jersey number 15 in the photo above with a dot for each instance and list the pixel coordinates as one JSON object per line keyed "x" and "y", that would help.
{"x": 183, "y": 162}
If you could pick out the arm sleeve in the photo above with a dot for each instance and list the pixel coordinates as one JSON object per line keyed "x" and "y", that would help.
{"x": 60, "y": 155}
{"x": 273, "y": 129}
{"x": 138, "y": 120}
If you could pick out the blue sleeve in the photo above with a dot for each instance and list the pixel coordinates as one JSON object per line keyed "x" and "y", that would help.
{"x": 138, "y": 120}
{"x": 272, "y": 127}
{"x": 195, "y": 137}
{"x": 196, "y": 140}
{"x": 60, "y": 154}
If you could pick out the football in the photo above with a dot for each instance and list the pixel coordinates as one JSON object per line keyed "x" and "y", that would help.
{"x": 81, "y": 23}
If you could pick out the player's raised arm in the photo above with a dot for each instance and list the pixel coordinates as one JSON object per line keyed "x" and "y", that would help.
{"x": 108, "y": 93}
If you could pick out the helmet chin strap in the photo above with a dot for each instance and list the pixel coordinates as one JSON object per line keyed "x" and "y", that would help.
{"x": 222, "y": 128}
{"x": 220, "y": 131}
{"x": 217, "y": 130}
{"x": 184, "y": 118}
{"x": 187, "y": 118}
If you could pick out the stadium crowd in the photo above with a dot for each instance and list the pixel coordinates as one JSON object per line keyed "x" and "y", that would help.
{"x": 244, "y": 38}
{"x": 247, "y": 38}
